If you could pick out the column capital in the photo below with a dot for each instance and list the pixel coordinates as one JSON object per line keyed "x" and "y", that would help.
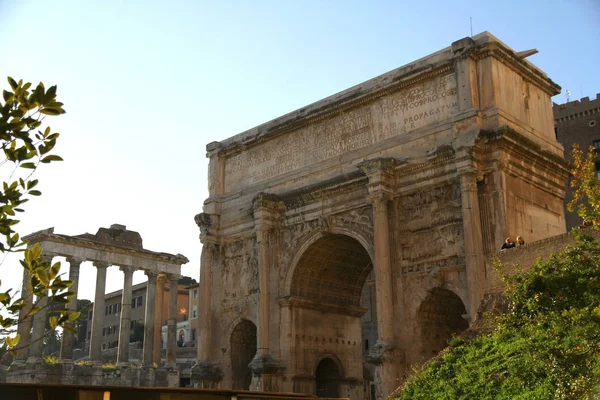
{"x": 75, "y": 260}
{"x": 47, "y": 256}
{"x": 379, "y": 199}
{"x": 381, "y": 173}
{"x": 161, "y": 278}
{"x": 101, "y": 264}
{"x": 267, "y": 209}
{"x": 152, "y": 275}
{"x": 174, "y": 277}
{"x": 127, "y": 269}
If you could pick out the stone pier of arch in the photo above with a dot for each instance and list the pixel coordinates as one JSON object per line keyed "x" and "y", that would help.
{"x": 110, "y": 247}
{"x": 343, "y": 243}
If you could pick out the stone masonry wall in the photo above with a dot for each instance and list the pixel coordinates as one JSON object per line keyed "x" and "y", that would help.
{"x": 522, "y": 258}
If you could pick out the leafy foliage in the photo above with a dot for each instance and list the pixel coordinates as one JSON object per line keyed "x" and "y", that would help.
{"x": 26, "y": 144}
{"x": 586, "y": 198}
{"x": 546, "y": 347}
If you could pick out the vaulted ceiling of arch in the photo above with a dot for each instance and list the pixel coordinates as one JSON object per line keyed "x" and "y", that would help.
{"x": 332, "y": 270}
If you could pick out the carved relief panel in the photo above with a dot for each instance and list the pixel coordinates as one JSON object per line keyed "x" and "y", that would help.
{"x": 430, "y": 230}
{"x": 239, "y": 274}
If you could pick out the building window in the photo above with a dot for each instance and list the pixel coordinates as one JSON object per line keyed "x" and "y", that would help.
{"x": 137, "y": 302}
{"x": 131, "y": 325}
{"x": 195, "y": 314}
{"x": 90, "y": 315}
{"x": 193, "y": 334}
{"x": 195, "y": 294}
{"x": 597, "y": 145}
{"x": 597, "y": 163}
{"x": 103, "y": 331}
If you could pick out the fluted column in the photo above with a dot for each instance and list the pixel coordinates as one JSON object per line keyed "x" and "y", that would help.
{"x": 204, "y": 303}
{"x": 385, "y": 354}
{"x": 160, "y": 283}
{"x": 98, "y": 313}
{"x": 147, "y": 357}
{"x": 39, "y": 320}
{"x": 125, "y": 323}
{"x": 262, "y": 237}
{"x": 66, "y": 347}
{"x": 25, "y": 319}
{"x": 383, "y": 269}
{"x": 172, "y": 321}
{"x": 475, "y": 268}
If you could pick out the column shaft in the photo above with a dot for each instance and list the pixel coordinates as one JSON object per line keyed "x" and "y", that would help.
{"x": 204, "y": 303}
{"x": 125, "y": 323}
{"x": 147, "y": 355}
{"x": 473, "y": 241}
{"x": 263, "y": 286}
{"x": 25, "y": 319}
{"x": 39, "y": 327}
{"x": 66, "y": 347}
{"x": 383, "y": 271}
{"x": 172, "y": 322}
{"x": 98, "y": 314}
{"x": 158, "y": 320}
{"x": 39, "y": 321}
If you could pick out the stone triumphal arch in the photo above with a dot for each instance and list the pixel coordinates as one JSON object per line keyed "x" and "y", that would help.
{"x": 345, "y": 242}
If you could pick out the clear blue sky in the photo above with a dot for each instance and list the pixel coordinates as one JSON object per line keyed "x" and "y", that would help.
{"x": 147, "y": 84}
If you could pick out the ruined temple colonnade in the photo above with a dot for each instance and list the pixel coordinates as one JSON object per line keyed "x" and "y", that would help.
{"x": 345, "y": 242}
{"x": 114, "y": 246}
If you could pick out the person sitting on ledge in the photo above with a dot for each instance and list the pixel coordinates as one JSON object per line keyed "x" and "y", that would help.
{"x": 520, "y": 241}
{"x": 508, "y": 244}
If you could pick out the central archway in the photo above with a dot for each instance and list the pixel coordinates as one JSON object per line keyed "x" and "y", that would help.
{"x": 327, "y": 299}
{"x": 243, "y": 350}
{"x": 332, "y": 270}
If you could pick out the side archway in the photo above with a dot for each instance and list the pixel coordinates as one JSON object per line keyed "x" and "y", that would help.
{"x": 243, "y": 349}
{"x": 440, "y": 315}
{"x": 328, "y": 375}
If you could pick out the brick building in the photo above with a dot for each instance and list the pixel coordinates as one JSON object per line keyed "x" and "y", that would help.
{"x": 577, "y": 122}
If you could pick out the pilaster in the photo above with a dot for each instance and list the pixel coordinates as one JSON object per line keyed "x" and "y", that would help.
{"x": 125, "y": 322}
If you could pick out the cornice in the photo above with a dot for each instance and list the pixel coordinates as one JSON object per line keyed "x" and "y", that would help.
{"x": 48, "y": 236}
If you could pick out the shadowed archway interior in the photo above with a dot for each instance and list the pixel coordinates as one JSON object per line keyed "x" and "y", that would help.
{"x": 328, "y": 379}
{"x": 243, "y": 349}
{"x": 440, "y": 316}
{"x": 332, "y": 270}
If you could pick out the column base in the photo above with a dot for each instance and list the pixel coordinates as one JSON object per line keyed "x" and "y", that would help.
{"x": 267, "y": 374}
{"x": 206, "y": 375}
{"x": 389, "y": 364}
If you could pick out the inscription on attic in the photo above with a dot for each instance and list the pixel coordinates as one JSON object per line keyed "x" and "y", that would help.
{"x": 420, "y": 105}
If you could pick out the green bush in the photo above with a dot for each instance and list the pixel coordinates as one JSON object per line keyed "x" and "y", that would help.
{"x": 546, "y": 347}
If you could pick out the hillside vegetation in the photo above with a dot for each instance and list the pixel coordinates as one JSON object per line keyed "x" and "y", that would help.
{"x": 547, "y": 346}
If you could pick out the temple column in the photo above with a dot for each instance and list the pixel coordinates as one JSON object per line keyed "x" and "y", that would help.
{"x": 160, "y": 291}
{"x": 98, "y": 313}
{"x": 125, "y": 323}
{"x": 25, "y": 319}
{"x": 172, "y": 321}
{"x": 385, "y": 354}
{"x": 475, "y": 268}
{"x": 66, "y": 347}
{"x": 266, "y": 369}
{"x": 39, "y": 320}
{"x": 147, "y": 356}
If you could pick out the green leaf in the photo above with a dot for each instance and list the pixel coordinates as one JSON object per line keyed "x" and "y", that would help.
{"x": 73, "y": 316}
{"x": 12, "y": 83}
{"x": 50, "y": 158}
{"x": 28, "y": 165}
{"x": 13, "y": 341}
{"x": 35, "y": 192}
{"x": 53, "y": 322}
